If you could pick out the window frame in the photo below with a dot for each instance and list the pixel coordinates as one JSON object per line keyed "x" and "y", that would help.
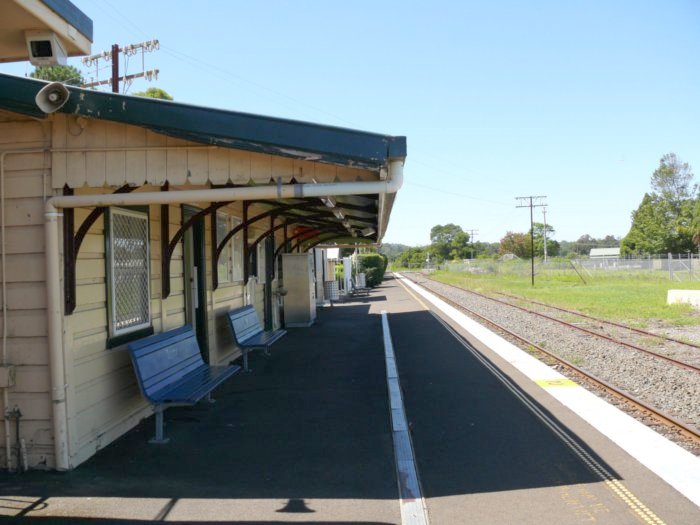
{"x": 117, "y": 337}
{"x": 227, "y": 252}
{"x": 260, "y": 266}
{"x": 233, "y": 250}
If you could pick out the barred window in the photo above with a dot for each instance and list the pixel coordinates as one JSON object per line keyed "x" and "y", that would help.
{"x": 261, "y": 261}
{"x": 223, "y": 226}
{"x": 128, "y": 271}
{"x": 237, "y": 255}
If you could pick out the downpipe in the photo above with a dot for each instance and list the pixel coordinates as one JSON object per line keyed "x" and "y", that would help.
{"x": 53, "y": 278}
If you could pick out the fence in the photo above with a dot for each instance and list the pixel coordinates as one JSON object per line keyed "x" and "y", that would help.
{"x": 674, "y": 267}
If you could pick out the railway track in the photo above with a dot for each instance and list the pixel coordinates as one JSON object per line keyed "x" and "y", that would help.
{"x": 603, "y": 321}
{"x": 673, "y": 361}
{"x": 632, "y": 403}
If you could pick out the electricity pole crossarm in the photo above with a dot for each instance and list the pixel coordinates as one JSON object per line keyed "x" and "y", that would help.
{"x": 149, "y": 75}
{"x": 532, "y": 201}
{"x": 113, "y": 55}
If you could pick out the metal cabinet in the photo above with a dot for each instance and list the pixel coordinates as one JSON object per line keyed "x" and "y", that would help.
{"x": 299, "y": 281}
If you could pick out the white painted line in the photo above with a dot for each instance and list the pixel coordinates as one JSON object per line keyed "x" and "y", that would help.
{"x": 675, "y": 465}
{"x": 413, "y": 509}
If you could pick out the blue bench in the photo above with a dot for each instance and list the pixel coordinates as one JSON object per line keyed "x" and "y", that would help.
{"x": 171, "y": 372}
{"x": 248, "y": 334}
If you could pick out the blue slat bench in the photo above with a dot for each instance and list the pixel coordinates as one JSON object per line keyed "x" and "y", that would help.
{"x": 249, "y": 334}
{"x": 171, "y": 372}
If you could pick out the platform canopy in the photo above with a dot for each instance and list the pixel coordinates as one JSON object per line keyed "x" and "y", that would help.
{"x": 61, "y": 17}
{"x": 224, "y": 148}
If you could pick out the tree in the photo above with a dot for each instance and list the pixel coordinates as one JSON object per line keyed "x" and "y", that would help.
{"x": 154, "y": 92}
{"x": 695, "y": 225}
{"x": 552, "y": 245}
{"x": 449, "y": 242}
{"x": 66, "y": 74}
{"x": 516, "y": 243}
{"x": 666, "y": 219}
{"x": 672, "y": 181}
{"x": 655, "y": 229}
{"x": 414, "y": 257}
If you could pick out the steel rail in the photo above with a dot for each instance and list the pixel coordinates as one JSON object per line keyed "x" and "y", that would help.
{"x": 675, "y": 362}
{"x": 600, "y": 383}
{"x": 612, "y": 323}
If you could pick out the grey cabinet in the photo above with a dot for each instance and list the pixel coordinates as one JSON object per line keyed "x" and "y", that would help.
{"x": 300, "y": 301}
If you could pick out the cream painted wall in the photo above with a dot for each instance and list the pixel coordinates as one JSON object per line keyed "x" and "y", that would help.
{"x": 103, "y": 401}
{"x": 27, "y": 349}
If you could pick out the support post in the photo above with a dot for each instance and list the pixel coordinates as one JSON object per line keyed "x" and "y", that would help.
{"x": 159, "y": 438}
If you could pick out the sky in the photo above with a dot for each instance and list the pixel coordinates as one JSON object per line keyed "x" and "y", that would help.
{"x": 574, "y": 100}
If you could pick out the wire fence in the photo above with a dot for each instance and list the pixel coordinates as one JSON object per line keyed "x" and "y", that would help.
{"x": 674, "y": 267}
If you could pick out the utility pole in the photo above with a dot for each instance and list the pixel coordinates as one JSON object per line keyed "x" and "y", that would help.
{"x": 113, "y": 56}
{"x": 472, "y": 234}
{"x": 544, "y": 214}
{"x": 532, "y": 201}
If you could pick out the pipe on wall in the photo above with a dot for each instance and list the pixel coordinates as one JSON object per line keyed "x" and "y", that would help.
{"x": 52, "y": 230}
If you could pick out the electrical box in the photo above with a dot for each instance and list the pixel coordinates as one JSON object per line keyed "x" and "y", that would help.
{"x": 300, "y": 283}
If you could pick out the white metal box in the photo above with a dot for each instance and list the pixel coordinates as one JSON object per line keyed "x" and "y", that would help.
{"x": 299, "y": 281}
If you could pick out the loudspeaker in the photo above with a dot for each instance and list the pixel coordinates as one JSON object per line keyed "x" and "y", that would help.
{"x": 52, "y": 97}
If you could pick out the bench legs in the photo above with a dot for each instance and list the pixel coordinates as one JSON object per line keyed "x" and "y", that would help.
{"x": 265, "y": 349}
{"x": 159, "y": 439}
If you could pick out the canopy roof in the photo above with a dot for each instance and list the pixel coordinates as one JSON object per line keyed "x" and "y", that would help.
{"x": 61, "y": 17}
{"x": 305, "y": 141}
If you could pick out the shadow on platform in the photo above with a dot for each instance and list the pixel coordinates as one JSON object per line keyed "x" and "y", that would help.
{"x": 312, "y": 421}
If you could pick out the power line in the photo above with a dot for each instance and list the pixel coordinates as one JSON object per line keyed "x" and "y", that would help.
{"x": 533, "y": 201}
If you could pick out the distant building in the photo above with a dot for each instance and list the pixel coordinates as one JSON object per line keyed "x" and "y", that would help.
{"x": 605, "y": 253}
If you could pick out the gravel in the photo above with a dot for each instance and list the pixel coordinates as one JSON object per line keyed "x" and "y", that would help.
{"x": 673, "y": 390}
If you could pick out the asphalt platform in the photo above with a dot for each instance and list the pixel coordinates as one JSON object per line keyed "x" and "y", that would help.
{"x": 306, "y": 437}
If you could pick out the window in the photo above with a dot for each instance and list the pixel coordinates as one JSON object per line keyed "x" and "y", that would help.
{"x": 128, "y": 271}
{"x": 237, "y": 242}
{"x": 230, "y": 265}
{"x": 261, "y": 261}
{"x": 226, "y": 258}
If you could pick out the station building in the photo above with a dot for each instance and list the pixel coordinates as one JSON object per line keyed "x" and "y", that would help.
{"x": 125, "y": 216}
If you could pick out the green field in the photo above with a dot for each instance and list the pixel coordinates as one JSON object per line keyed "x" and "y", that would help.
{"x": 638, "y": 300}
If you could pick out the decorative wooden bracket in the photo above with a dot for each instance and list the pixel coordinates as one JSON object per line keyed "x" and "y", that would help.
{"x": 218, "y": 247}
{"x": 72, "y": 241}
{"x": 168, "y": 245}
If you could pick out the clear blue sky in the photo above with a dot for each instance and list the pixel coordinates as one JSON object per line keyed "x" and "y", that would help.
{"x": 576, "y": 100}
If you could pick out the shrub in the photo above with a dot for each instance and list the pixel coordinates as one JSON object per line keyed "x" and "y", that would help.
{"x": 374, "y": 266}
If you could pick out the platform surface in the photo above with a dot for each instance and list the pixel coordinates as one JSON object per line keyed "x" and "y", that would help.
{"x": 306, "y": 437}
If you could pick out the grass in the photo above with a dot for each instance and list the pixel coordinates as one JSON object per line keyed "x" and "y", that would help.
{"x": 638, "y": 300}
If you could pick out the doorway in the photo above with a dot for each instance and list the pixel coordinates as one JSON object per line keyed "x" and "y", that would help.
{"x": 194, "y": 267}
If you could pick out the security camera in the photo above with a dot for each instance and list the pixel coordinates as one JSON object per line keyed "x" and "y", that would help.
{"x": 45, "y": 48}
{"x": 52, "y": 97}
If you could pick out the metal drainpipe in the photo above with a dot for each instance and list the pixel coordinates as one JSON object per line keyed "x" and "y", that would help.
{"x": 52, "y": 231}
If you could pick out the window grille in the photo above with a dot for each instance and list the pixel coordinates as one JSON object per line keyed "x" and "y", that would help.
{"x": 261, "y": 261}
{"x": 129, "y": 275}
{"x": 223, "y": 226}
{"x": 237, "y": 255}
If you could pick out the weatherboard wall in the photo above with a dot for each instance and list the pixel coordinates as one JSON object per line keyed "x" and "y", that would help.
{"x": 27, "y": 347}
{"x": 103, "y": 401}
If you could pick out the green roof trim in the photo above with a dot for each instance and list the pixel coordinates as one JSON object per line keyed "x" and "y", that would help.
{"x": 276, "y": 136}
{"x": 71, "y": 14}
